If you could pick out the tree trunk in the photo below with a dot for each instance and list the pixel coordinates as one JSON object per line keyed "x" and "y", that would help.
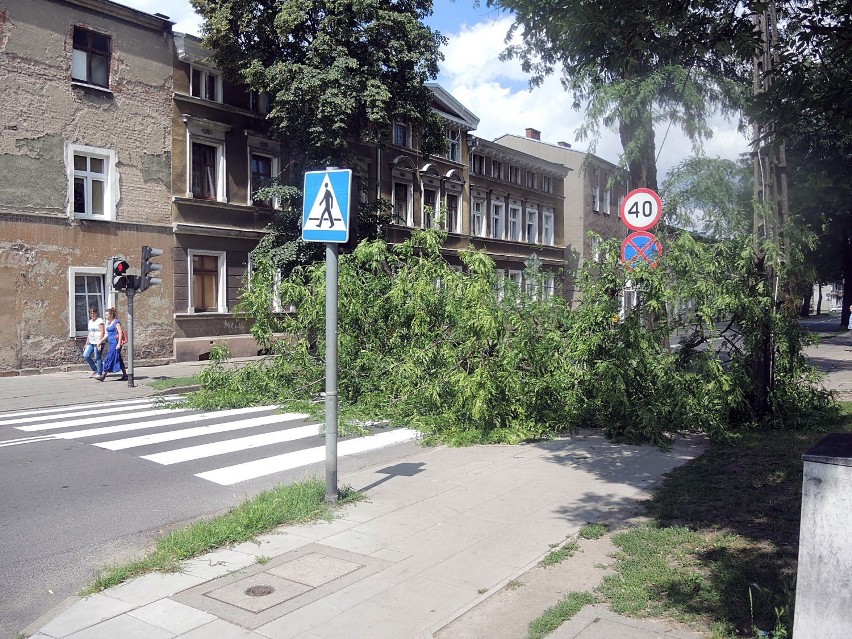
{"x": 638, "y": 131}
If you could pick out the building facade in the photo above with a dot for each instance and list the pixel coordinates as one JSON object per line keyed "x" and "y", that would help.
{"x": 593, "y": 198}
{"x": 85, "y": 155}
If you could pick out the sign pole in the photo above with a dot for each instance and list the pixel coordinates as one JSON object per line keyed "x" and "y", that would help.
{"x": 131, "y": 293}
{"x": 331, "y": 373}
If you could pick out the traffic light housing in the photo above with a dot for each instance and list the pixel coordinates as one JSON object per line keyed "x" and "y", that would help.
{"x": 119, "y": 273}
{"x": 148, "y": 268}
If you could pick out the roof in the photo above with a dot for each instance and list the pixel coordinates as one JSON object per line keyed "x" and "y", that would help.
{"x": 452, "y": 108}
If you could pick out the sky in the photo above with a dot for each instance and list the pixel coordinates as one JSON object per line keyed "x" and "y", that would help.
{"x": 498, "y": 92}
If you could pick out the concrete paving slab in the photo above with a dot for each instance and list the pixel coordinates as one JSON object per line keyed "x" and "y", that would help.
{"x": 172, "y": 616}
{"x": 217, "y": 563}
{"x": 152, "y": 587}
{"x": 315, "y": 569}
{"x": 125, "y": 627}
{"x": 470, "y": 572}
{"x": 298, "y": 622}
{"x": 220, "y": 629}
{"x": 597, "y": 622}
{"x": 245, "y": 593}
{"x": 372, "y": 621}
{"x": 86, "y": 612}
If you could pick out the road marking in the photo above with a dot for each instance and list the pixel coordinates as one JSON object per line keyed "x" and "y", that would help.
{"x": 60, "y": 409}
{"x": 88, "y": 421}
{"x": 233, "y": 445}
{"x": 230, "y": 475}
{"x": 26, "y": 440}
{"x": 182, "y": 418}
{"x": 199, "y": 431}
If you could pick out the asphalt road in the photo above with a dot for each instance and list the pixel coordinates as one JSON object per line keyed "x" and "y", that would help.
{"x": 70, "y": 508}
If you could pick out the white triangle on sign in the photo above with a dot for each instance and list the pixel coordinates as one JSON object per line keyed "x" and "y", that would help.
{"x": 325, "y": 213}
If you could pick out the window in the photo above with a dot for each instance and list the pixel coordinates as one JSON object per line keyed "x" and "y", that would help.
{"x": 596, "y": 197}
{"x": 547, "y": 234}
{"x": 477, "y": 218}
{"x": 401, "y": 135}
{"x": 517, "y": 279}
{"x": 453, "y": 217}
{"x": 596, "y": 252}
{"x": 205, "y": 83}
{"x": 531, "y": 179}
{"x": 514, "y": 174}
{"x": 546, "y": 184}
{"x": 477, "y": 164}
{"x": 206, "y": 282}
{"x": 261, "y": 175}
{"x": 205, "y": 171}
{"x": 548, "y": 286}
{"x": 90, "y": 57}
{"x": 402, "y": 204}
{"x": 497, "y": 229}
{"x": 258, "y": 102}
{"x": 91, "y": 177}
{"x": 607, "y": 203}
{"x": 454, "y": 140}
{"x": 86, "y": 289}
{"x": 532, "y": 226}
{"x": 496, "y": 169}
{"x": 429, "y": 212}
{"x": 514, "y": 224}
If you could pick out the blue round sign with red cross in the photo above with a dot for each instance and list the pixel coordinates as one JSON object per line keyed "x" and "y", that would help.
{"x": 640, "y": 248}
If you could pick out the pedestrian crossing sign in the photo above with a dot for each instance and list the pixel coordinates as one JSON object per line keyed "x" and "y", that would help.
{"x": 325, "y": 214}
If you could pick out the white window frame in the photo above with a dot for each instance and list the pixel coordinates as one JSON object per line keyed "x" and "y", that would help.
{"x": 595, "y": 253}
{"x": 107, "y": 295}
{"x": 532, "y": 225}
{"x": 607, "y": 202}
{"x": 513, "y": 228}
{"x": 497, "y": 169}
{"x": 409, "y": 204}
{"x": 518, "y": 278}
{"x": 548, "y": 286}
{"x": 259, "y": 102}
{"x": 477, "y": 163}
{"x": 498, "y": 220}
{"x": 454, "y": 142}
{"x": 477, "y": 218}
{"x": 274, "y": 170}
{"x": 205, "y": 73}
{"x": 514, "y": 174}
{"x": 111, "y": 193}
{"x": 546, "y": 184}
{"x": 222, "y": 282}
{"x": 620, "y": 202}
{"x": 83, "y": 57}
{"x": 436, "y": 208}
{"x": 531, "y": 179}
{"x": 207, "y": 132}
{"x": 548, "y": 229}
{"x": 596, "y": 197}
{"x": 257, "y": 145}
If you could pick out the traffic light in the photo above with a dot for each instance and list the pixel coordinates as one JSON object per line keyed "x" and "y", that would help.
{"x": 149, "y": 267}
{"x": 119, "y": 273}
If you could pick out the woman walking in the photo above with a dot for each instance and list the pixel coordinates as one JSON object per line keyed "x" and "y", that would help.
{"x": 114, "y": 334}
{"x": 94, "y": 342}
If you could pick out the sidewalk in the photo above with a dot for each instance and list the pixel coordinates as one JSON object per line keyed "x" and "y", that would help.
{"x": 441, "y": 532}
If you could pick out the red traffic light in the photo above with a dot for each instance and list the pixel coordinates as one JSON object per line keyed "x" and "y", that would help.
{"x": 120, "y": 268}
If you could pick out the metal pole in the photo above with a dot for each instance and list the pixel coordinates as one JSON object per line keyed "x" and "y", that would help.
{"x": 131, "y": 293}
{"x": 331, "y": 373}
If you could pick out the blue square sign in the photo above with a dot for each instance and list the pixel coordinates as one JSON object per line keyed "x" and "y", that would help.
{"x": 325, "y": 213}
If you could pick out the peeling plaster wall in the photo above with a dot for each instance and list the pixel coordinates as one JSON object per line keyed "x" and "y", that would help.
{"x": 42, "y": 113}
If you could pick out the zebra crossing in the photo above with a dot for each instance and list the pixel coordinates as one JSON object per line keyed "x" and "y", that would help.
{"x": 225, "y": 447}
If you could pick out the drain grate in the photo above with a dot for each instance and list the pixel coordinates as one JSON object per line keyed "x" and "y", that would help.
{"x": 259, "y": 591}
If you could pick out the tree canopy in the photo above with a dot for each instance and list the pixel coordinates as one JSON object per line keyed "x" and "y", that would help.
{"x": 635, "y": 64}
{"x": 337, "y": 71}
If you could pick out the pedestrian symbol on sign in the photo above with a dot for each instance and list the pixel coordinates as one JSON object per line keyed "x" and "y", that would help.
{"x": 325, "y": 215}
{"x": 325, "y": 208}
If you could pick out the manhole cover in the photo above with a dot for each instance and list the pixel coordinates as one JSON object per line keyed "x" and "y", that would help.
{"x": 259, "y": 591}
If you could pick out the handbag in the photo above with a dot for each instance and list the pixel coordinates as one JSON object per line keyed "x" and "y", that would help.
{"x": 123, "y": 339}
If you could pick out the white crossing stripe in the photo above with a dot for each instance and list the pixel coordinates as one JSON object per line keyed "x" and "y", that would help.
{"x": 102, "y": 409}
{"x": 251, "y": 470}
{"x": 182, "y": 418}
{"x": 26, "y": 440}
{"x": 89, "y": 421}
{"x": 65, "y": 409}
{"x": 233, "y": 445}
{"x": 199, "y": 431}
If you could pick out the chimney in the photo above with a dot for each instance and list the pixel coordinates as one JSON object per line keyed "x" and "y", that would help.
{"x": 533, "y": 134}
{"x": 564, "y": 145}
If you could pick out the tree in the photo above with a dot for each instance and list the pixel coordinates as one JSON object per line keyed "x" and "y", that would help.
{"x": 338, "y": 72}
{"x": 635, "y": 64}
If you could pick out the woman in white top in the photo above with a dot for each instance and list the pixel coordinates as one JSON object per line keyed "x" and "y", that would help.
{"x": 94, "y": 343}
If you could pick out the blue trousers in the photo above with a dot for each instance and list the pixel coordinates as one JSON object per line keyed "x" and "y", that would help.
{"x": 96, "y": 364}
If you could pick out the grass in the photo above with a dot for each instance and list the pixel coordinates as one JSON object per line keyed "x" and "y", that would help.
{"x": 554, "y": 617}
{"x": 721, "y": 549}
{"x": 594, "y": 531}
{"x": 292, "y": 504}
{"x": 560, "y": 554}
{"x": 173, "y": 382}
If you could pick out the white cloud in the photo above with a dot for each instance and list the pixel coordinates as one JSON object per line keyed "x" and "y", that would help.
{"x": 497, "y": 93}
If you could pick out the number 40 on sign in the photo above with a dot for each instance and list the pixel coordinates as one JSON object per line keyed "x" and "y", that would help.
{"x": 641, "y": 209}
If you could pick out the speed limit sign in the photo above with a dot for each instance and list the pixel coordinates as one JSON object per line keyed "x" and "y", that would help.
{"x": 641, "y": 209}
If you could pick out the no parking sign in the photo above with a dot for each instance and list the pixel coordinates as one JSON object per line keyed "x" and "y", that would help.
{"x": 641, "y": 210}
